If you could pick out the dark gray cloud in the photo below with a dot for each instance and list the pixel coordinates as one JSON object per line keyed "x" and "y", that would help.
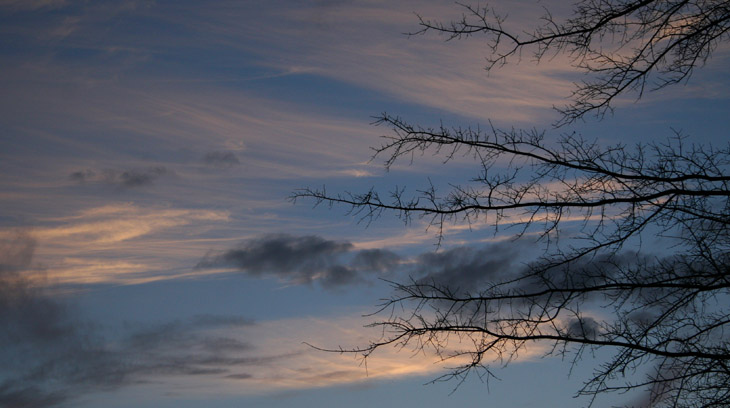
{"x": 28, "y": 318}
{"x": 467, "y": 268}
{"x": 36, "y": 331}
{"x": 470, "y": 269}
{"x": 299, "y": 259}
{"x": 333, "y": 264}
{"x": 584, "y": 327}
{"x": 131, "y": 178}
{"x": 49, "y": 356}
{"x": 585, "y": 272}
{"x": 17, "y": 396}
{"x": 303, "y": 259}
{"x": 338, "y": 276}
{"x": 376, "y": 260}
{"x": 221, "y": 159}
{"x": 135, "y": 177}
{"x": 82, "y": 176}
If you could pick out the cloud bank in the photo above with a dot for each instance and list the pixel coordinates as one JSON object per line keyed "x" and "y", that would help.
{"x": 308, "y": 259}
{"x": 50, "y": 356}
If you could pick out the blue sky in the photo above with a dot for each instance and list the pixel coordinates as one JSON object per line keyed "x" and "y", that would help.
{"x": 150, "y": 255}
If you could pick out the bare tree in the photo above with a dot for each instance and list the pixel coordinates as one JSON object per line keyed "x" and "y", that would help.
{"x": 627, "y": 45}
{"x": 668, "y": 311}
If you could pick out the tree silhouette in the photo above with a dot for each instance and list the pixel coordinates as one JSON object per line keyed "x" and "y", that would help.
{"x": 671, "y": 311}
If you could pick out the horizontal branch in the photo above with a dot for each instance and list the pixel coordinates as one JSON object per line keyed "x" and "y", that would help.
{"x": 418, "y": 136}
{"x": 368, "y": 201}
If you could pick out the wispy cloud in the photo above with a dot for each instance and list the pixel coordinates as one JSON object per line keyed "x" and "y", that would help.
{"x": 420, "y": 70}
{"x": 122, "y": 243}
{"x": 358, "y": 173}
{"x": 114, "y": 223}
{"x": 310, "y": 368}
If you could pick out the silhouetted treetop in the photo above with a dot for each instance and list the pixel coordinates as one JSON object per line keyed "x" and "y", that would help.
{"x": 624, "y": 45}
{"x": 663, "y": 313}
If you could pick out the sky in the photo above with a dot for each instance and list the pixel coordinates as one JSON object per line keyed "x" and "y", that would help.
{"x": 150, "y": 254}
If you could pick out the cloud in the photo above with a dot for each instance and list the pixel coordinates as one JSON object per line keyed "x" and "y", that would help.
{"x": 177, "y": 334}
{"x": 196, "y": 346}
{"x": 303, "y": 260}
{"x": 139, "y": 220}
{"x": 128, "y": 244}
{"x": 307, "y": 259}
{"x": 36, "y": 331}
{"x": 121, "y": 178}
{"x": 156, "y": 352}
{"x": 24, "y": 312}
{"x": 378, "y": 260}
{"x": 311, "y": 368}
{"x": 221, "y": 159}
{"x": 584, "y": 327}
{"x": 123, "y": 243}
{"x": 283, "y": 254}
{"x": 467, "y": 268}
{"x": 12, "y": 395}
{"x": 357, "y": 173}
{"x": 49, "y": 356}
{"x": 82, "y": 176}
{"x": 136, "y": 178}
{"x": 419, "y": 69}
